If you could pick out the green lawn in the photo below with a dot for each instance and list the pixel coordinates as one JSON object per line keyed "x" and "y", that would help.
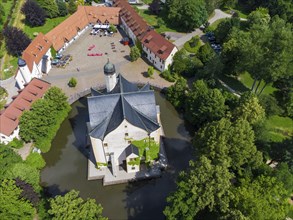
{"x": 279, "y": 128}
{"x": 241, "y": 9}
{"x": 244, "y": 83}
{"x": 49, "y": 25}
{"x": 248, "y": 81}
{"x": 214, "y": 25}
{"x": 7, "y": 6}
{"x": 191, "y": 49}
{"x": 151, "y": 19}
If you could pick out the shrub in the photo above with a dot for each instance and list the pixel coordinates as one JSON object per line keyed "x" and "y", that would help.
{"x": 35, "y": 160}
{"x": 16, "y": 143}
{"x": 168, "y": 76}
{"x": 72, "y": 82}
{"x": 134, "y": 53}
{"x": 150, "y": 71}
{"x": 193, "y": 45}
{"x": 112, "y": 28}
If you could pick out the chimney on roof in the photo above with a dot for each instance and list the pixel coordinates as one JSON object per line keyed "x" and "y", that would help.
{"x": 149, "y": 38}
{"x": 163, "y": 49}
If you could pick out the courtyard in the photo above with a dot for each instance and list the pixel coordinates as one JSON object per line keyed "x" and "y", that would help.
{"x": 88, "y": 70}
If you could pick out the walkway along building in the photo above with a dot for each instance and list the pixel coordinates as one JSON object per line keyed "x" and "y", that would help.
{"x": 117, "y": 118}
{"x": 9, "y": 116}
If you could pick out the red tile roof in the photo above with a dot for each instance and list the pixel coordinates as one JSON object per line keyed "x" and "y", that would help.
{"x": 102, "y": 14}
{"x": 84, "y": 15}
{"x": 9, "y": 117}
{"x": 157, "y": 44}
{"x": 36, "y": 50}
{"x": 148, "y": 37}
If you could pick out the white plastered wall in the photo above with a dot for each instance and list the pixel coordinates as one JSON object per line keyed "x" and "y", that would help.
{"x": 6, "y": 139}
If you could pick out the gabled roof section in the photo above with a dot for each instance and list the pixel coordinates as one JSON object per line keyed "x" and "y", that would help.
{"x": 107, "y": 111}
{"x": 66, "y": 30}
{"x": 9, "y": 117}
{"x": 102, "y": 14}
{"x": 131, "y": 149}
{"x": 157, "y": 44}
{"x": 84, "y": 15}
{"x": 36, "y": 50}
{"x": 148, "y": 37}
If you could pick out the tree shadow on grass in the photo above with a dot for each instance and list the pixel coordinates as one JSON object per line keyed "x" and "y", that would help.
{"x": 234, "y": 83}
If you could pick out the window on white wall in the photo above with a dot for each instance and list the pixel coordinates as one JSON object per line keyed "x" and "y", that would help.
{"x": 105, "y": 144}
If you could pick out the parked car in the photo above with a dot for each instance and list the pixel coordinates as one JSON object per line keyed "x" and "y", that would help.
{"x": 55, "y": 62}
{"x": 58, "y": 56}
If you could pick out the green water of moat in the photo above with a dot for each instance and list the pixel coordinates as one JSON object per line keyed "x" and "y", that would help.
{"x": 66, "y": 167}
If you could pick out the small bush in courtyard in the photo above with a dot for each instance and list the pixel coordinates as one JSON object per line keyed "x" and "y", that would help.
{"x": 134, "y": 53}
{"x": 150, "y": 71}
{"x": 72, "y": 82}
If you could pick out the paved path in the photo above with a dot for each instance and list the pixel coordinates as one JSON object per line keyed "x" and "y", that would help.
{"x": 25, "y": 150}
{"x": 218, "y": 15}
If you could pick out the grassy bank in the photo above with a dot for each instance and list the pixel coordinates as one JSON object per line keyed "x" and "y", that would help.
{"x": 49, "y": 25}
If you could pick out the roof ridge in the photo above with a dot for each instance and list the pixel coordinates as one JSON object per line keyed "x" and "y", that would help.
{"x": 141, "y": 114}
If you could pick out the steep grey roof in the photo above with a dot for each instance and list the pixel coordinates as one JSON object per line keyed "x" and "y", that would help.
{"x": 125, "y": 101}
{"x": 131, "y": 149}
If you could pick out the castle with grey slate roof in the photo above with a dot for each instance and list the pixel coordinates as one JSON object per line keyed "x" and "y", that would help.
{"x": 118, "y": 116}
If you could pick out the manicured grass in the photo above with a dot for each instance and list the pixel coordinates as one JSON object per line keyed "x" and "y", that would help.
{"x": 190, "y": 49}
{"x": 241, "y": 9}
{"x": 49, "y": 25}
{"x": 7, "y": 7}
{"x": 248, "y": 81}
{"x": 214, "y": 25}
{"x": 147, "y": 2}
{"x": 10, "y": 63}
{"x": 279, "y": 128}
{"x": 151, "y": 19}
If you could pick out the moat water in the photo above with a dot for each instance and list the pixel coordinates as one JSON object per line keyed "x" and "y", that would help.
{"x": 66, "y": 167}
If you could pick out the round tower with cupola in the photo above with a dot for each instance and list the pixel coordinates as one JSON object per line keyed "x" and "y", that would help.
{"x": 110, "y": 76}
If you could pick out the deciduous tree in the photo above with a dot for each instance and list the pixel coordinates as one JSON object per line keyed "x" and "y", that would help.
{"x": 176, "y": 94}
{"x": 134, "y": 53}
{"x": 16, "y": 40}
{"x": 50, "y": 6}
{"x": 187, "y": 14}
{"x": 62, "y": 8}
{"x": 204, "y": 105}
{"x": 34, "y": 14}
{"x": 13, "y": 206}
{"x": 71, "y": 206}
{"x": 205, "y": 186}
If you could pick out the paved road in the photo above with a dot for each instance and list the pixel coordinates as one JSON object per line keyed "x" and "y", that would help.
{"x": 218, "y": 15}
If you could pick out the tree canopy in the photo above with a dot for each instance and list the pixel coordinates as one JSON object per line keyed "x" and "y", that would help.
{"x": 34, "y": 14}
{"x": 71, "y": 206}
{"x": 187, "y": 14}
{"x": 50, "y": 7}
{"x": 16, "y": 40}
{"x": 204, "y": 104}
{"x": 12, "y": 205}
